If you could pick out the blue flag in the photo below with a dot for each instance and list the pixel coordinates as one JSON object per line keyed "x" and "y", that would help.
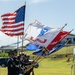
{"x": 41, "y": 52}
{"x": 32, "y": 47}
{"x": 46, "y": 53}
{"x": 56, "y": 48}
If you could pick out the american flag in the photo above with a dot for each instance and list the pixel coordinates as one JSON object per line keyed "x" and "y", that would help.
{"x": 13, "y": 23}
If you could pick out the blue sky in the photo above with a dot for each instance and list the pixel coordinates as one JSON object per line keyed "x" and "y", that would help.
{"x": 53, "y": 13}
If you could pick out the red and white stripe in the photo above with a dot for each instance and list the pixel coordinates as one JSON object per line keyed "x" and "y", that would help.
{"x": 9, "y": 26}
{"x": 57, "y": 39}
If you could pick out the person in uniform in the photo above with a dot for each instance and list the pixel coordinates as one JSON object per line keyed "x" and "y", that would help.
{"x": 28, "y": 63}
{"x": 12, "y": 68}
{"x": 24, "y": 64}
{"x": 16, "y": 61}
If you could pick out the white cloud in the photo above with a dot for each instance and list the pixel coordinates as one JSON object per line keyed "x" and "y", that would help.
{"x": 38, "y": 1}
{"x": 7, "y": 40}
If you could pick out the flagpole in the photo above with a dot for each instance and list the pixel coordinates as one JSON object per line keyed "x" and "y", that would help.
{"x": 46, "y": 52}
{"x": 24, "y": 23}
{"x": 40, "y": 57}
{"x": 64, "y": 26}
{"x": 17, "y": 42}
{"x": 71, "y": 30}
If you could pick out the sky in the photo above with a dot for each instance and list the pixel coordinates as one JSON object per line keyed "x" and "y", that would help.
{"x": 53, "y": 13}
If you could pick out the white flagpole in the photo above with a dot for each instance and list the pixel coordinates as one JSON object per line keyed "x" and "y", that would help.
{"x": 22, "y": 36}
{"x": 17, "y": 42}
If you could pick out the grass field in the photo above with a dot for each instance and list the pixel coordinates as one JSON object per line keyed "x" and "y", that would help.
{"x": 53, "y": 65}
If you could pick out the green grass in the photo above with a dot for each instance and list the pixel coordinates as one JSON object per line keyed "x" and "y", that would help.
{"x": 52, "y": 66}
{"x": 49, "y": 67}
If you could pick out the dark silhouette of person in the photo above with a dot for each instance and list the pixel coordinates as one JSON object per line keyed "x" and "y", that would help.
{"x": 12, "y": 66}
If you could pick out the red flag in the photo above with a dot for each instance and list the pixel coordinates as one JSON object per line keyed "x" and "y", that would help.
{"x": 13, "y": 23}
{"x": 57, "y": 39}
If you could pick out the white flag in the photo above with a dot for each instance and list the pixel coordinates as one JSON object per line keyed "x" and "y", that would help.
{"x": 41, "y": 34}
{"x": 46, "y": 36}
{"x": 33, "y": 31}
